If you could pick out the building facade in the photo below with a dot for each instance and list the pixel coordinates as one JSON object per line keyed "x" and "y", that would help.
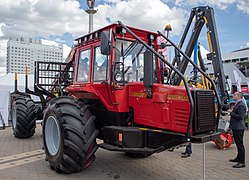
{"x": 241, "y": 55}
{"x": 22, "y": 53}
{"x": 240, "y": 58}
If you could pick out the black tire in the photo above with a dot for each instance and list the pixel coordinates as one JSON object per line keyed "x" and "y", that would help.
{"x": 69, "y": 135}
{"x": 23, "y": 117}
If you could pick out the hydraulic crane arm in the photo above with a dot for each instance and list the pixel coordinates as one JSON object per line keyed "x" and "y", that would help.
{"x": 201, "y": 16}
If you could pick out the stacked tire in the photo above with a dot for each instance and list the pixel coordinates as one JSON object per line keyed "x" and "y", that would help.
{"x": 69, "y": 135}
{"x": 23, "y": 117}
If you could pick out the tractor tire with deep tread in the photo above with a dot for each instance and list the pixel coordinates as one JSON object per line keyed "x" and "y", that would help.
{"x": 23, "y": 117}
{"x": 69, "y": 135}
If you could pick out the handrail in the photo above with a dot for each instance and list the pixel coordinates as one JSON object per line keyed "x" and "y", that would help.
{"x": 172, "y": 67}
{"x": 200, "y": 70}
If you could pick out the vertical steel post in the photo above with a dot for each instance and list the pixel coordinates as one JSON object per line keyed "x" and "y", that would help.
{"x": 15, "y": 82}
{"x": 90, "y": 22}
{"x": 204, "y": 162}
{"x": 91, "y": 11}
{"x": 26, "y": 80}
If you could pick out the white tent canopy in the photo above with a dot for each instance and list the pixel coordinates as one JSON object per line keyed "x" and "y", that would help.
{"x": 7, "y": 82}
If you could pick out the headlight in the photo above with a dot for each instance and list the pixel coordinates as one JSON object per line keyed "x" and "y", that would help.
{"x": 152, "y": 37}
{"x": 118, "y": 77}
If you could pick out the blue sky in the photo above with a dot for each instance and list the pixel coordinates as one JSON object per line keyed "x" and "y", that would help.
{"x": 233, "y": 29}
{"x": 63, "y": 20}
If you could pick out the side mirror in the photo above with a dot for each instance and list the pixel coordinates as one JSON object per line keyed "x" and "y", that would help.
{"x": 148, "y": 72}
{"x": 148, "y": 69}
{"x": 106, "y": 43}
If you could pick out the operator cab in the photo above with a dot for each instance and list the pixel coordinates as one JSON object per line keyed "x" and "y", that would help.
{"x": 120, "y": 56}
{"x": 108, "y": 61}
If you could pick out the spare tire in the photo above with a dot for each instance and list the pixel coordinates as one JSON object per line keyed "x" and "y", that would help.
{"x": 69, "y": 135}
{"x": 23, "y": 117}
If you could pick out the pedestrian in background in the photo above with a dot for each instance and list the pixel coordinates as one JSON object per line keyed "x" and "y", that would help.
{"x": 246, "y": 117}
{"x": 188, "y": 151}
{"x": 238, "y": 127}
{"x": 2, "y": 120}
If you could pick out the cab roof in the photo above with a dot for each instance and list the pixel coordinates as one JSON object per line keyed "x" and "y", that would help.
{"x": 97, "y": 33}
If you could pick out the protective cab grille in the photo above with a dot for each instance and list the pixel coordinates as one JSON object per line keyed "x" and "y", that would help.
{"x": 204, "y": 111}
{"x": 51, "y": 75}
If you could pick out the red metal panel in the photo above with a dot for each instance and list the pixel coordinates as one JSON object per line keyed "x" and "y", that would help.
{"x": 168, "y": 108}
{"x": 116, "y": 101}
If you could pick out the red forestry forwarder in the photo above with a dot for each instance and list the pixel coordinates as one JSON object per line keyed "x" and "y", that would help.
{"x": 112, "y": 87}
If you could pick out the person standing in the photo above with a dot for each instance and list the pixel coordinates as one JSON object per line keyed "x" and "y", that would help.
{"x": 238, "y": 127}
{"x": 246, "y": 117}
{"x": 2, "y": 120}
{"x": 188, "y": 151}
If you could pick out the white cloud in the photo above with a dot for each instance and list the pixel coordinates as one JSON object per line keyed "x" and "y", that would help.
{"x": 243, "y": 5}
{"x": 247, "y": 44}
{"x": 3, "y": 47}
{"x": 152, "y": 15}
{"x": 66, "y": 51}
{"x": 66, "y": 48}
{"x": 46, "y": 18}
{"x": 50, "y": 43}
{"x": 41, "y": 17}
{"x": 1, "y": 25}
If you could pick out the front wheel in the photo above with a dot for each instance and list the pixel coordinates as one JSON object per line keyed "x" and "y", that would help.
{"x": 69, "y": 135}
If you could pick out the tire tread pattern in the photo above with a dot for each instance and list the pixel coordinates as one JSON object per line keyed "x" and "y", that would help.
{"x": 25, "y": 117}
{"x": 78, "y": 143}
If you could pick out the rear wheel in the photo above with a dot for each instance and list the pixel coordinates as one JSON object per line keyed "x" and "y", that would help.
{"x": 23, "y": 117}
{"x": 69, "y": 135}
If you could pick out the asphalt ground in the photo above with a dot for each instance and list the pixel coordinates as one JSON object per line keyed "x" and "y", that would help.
{"x": 24, "y": 159}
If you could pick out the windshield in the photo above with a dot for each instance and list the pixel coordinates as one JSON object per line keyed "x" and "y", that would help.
{"x": 133, "y": 59}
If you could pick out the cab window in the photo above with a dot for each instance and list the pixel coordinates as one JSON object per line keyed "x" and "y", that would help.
{"x": 133, "y": 59}
{"x": 100, "y": 65}
{"x": 83, "y": 66}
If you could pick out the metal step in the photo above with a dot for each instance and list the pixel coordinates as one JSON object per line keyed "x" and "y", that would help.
{"x": 201, "y": 138}
{"x": 130, "y": 150}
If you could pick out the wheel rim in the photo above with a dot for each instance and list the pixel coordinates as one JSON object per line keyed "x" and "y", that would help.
{"x": 14, "y": 117}
{"x": 52, "y": 135}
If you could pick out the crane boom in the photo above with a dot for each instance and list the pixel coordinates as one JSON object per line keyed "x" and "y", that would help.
{"x": 201, "y": 16}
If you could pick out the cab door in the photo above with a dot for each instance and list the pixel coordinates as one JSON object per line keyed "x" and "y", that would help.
{"x": 83, "y": 65}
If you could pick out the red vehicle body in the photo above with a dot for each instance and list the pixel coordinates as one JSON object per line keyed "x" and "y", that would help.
{"x": 112, "y": 87}
{"x": 168, "y": 108}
